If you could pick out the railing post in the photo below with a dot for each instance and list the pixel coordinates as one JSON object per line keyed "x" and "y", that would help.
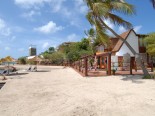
{"x": 109, "y": 63}
{"x": 130, "y": 66}
{"x": 152, "y": 65}
{"x": 86, "y": 66}
{"x": 79, "y": 65}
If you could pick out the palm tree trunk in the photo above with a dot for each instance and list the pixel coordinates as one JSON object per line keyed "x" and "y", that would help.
{"x": 137, "y": 56}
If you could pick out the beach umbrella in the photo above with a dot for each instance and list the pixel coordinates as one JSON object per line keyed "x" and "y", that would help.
{"x": 35, "y": 59}
{"x": 7, "y": 60}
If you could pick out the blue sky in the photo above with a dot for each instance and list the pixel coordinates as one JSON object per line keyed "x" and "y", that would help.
{"x": 46, "y": 23}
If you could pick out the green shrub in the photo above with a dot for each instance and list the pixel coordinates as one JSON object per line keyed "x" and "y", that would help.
{"x": 149, "y": 77}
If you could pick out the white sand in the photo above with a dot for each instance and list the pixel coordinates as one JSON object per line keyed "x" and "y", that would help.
{"x": 55, "y": 91}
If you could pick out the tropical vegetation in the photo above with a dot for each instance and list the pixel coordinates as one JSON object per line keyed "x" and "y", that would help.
{"x": 150, "y": 46}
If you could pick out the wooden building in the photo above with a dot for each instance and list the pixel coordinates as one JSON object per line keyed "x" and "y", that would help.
{"x": 119, "y": 49}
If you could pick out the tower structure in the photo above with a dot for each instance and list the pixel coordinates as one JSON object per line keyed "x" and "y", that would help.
{"x": 32, "y": 50}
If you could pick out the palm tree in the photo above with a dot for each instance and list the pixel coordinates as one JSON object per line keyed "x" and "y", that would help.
{"x": 96, "y": 38}
{"x": 100, "y": 10}
{"x": 91, "y": 34}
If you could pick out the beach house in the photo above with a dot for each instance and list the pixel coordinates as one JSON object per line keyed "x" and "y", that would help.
{"x": 119, "y": 49}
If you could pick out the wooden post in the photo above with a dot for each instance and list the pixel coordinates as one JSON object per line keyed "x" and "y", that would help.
{"x": 130, "y": 66}
{"x": 76, "y": 65}
{"x": 109, "y": 63}
{"x": 86, "y": 66}
{"x": 152, "y": 64}
{"x": 79, "y": 65}
{"x": 152, "y": 68}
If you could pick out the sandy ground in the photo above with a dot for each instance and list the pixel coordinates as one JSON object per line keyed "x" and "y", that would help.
{"x": 58, "y": 91}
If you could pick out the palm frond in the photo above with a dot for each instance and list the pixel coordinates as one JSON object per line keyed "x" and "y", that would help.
{"x": 153, "y": 3}
{"x": 118, "y": 20}
{"x": 89, "y": 3}
{"x": 122, "y": 7}
{"x": 101, "y": 33}
{"x": 90, "y": 17}
{"x": 100, "y": 8}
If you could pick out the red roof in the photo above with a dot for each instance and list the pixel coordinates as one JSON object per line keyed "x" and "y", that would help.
{"x": 119, "y": 44}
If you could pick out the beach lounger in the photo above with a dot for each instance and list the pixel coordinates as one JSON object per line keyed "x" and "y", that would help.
{"x": 14, "y": 70}
{"x": 34, "y": 69}
{"x": 5, "y": 72}
{"x": 29, "y": 69}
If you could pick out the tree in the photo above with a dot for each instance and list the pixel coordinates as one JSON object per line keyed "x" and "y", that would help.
{"x": 64, "y": 47}
{"x": 95, "y": 39}
{"x": 78, "y": 49}
{"x": 99, "y": 10}
{"x": 22, "y": 60}
{"x": 51, "y": 49}
{"x": 57, "y": 58}
{"x": 150, "y": 46}
{"x": 48, "y": 52}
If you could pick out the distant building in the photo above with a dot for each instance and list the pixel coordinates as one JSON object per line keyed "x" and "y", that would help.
{"x": 32, "y": 50}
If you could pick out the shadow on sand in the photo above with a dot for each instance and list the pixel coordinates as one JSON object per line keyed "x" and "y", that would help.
{"x": 133, "y": 78}
{"x": 2, "y": 84}
{"x": 14, "y": 74}
{"x": 42, "y": 71}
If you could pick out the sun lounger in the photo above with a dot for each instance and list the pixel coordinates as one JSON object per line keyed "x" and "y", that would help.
{"x": 34, "y": 69}
{"x": 14, "y": 70}
{"x": 5, "y": 72}
{"x": 29, "y": 69}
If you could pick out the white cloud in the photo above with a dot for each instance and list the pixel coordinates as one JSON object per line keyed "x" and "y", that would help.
{"x": 7, "y": 48}
{"x": 121, "y": 29}
{"x": 45, "y": 45}
{"x": 72, "y": 37}
{"x": 137, "y": 28}
{"x": 29, "y": 3}
{"x": 71, "y": 13}
{"x": 51, "y": 27}
{"x": 56, "y": 4}
{"x": 4, "y": 29}
{"x": 30, "y": 14}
